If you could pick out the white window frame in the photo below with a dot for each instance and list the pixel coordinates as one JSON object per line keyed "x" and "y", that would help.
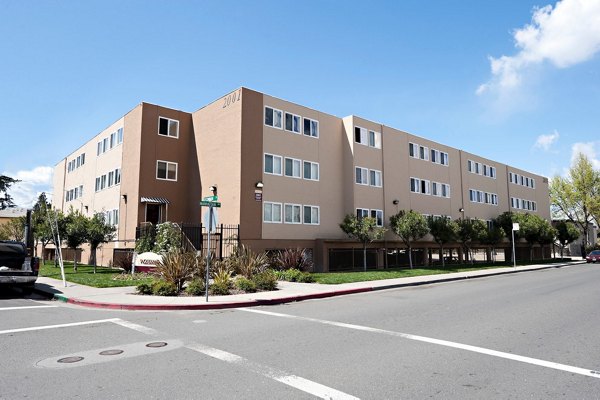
{"x": 274, "y": 157}
{"x": 414, "y": 148}
{"x": 470, "y": 166}
{"x": 364, "y": 176}
{"x": 167, "y": 163}
{"x": 274, "y": 111}
{"x": 292, "y": 206}
{"x": 434, "y": 189}
{"x": 118, "y": 176}
{"x": 447, "y": 187}
{"x": 311, "y": 163}
{"x": 311, "y": 207}
{"x": 270, "y": 203}
{"x": 314, "y": 133}
{"x": 444, "y": 158}
{"x": 169, "y": 120}
{"x": 376, "y": 214}
{"x": 294, "y": 116}
{"x": 424, "y": 153}
{"x": 362, "y": 213}
{"x": 417, "y": 185}
{"x": 111, "y": 178}
{"x": 364, "y": 135}
{"x": 119, "y": 135}
{"x": 295, "y": 162}
{"x": 99, "y": 148}
{"x": 376, "y": 173}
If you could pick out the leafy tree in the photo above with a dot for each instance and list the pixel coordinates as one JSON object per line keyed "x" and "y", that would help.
{"x": 547, "y": 234}
{"x": 505, "y": 221}
{"x": 492, "y": 236}
{"x": 577, "y": 196}
{"x": 98, "y": 232}
{"x": 410, "y": 226}
{"x": 42, "y": 232}
{"x": 534, "y": 229}
{"x": 443, "y": 230}
{"x": 470, "y": 230}
{"x": 365, "y": 230}
{"x": 76, "y": 232}
{"x": 566, "y": 232}
{"x": 5, "y": 198}
{"x": 13, "y": 229}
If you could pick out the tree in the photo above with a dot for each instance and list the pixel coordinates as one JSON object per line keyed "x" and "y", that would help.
{"x": 5, "y": 198}
{"x": 547, "y": 235}
{"x": 13, "y": 229}
{"x": 577, "y": 196}
{"x": 492, "y": 236}
{"x": 470, "y": 230}
{"x": 566, "y": 232}
{"x": 443, "y": 230}
{"x": 76, "y": 232}
{"x": 534, "y": 229}
{"x": 410, "y": 226}
{"x": 364, "y": 229}
{"x": 505, "y": 221}
{"x": 41, "y": 229}
{"x": 99, "y": 231}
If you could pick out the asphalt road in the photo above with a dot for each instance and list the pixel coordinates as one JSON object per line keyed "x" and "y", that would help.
{"x": 525, "y": 336}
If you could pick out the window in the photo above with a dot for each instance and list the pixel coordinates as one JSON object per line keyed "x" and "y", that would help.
{"x": 362, "y": 176}
{"x": 470, "y": 167}
{"x": 113, "y": 139}
{"x": 478, "y": 168}
{"x": 117, "y": 176}
{"x": 423, "y": 153}
{"x": 272, "y": 164}
{"x": 375, "y": 178}
{"x": 273, "y": 117}
{"x": 360, "y": 135}
{"x": 493, "y": 172}
{"x": 533, "y": 184}
{"x": 412, "y": 150}
{"x": 292, "y": 167}
{"x": 292, "y": 214}
{"x": 445, "y": 190}
{"x": 311, "y": 215}
{"x": 80, "y": 190}
{"x": 97, "y": 184}
{"x": 99, "y": 151}
{"x": 292, "y": 122}
{"x": 434, "y": 189}
{"x": 415, "y": 185}
{"x": 168, "y": 127}
{"x": 105, "y": 145}
{"x": 311, "y": 127}
{"x": 311, "y": 170}
{"x": 120, "y": 136}
{"x": 362, "y": 213}
{"x": 443, "y": 158}
{"x": 378, "y": 215}
{"x": 166, "y": 170}
{"x": 479, "y": 196}
{"x": 102, "y": 182}
{"x": 272, "y": 212}
{"x": 78, "y": 164}
{"x": 425, "y": 184}
{"x": 111, "y": 178}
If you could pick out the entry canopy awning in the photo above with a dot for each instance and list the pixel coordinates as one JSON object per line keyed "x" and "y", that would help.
{"x": 155, "y": 200}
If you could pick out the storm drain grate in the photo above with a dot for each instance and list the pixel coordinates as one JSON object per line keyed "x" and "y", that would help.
{"x": 69, "y": 360}
{"x": 156, "y": 344}
{"x": 111, "y": 352}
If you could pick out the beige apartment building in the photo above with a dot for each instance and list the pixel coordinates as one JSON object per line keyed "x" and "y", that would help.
{"x": 285, "y": 173}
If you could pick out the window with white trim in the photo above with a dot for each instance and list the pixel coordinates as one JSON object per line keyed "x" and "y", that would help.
{"x": 117, "y": 176}
{"x": 374, "y": 139}
{"x": 311, "y": 215}
{"x": 113, "y": 139}
{"x": 272, "y": 164}
{"x": 292, "y": 167}
{"x": 444, "y": 158}
{"x": 378, "y": 215}
{"x": 168, "y": 127}
{"x": 119, "y": 135}
{"x": 445, "y": 190}
{"x": 102, "y": 182}
{"x": 292, "y": 122}
{"x": 311, "y": 127}
{"x": 272, "y": 212}
{"x": 166, "y": 170}
{"x": 361, "y": 135}
{"x": 415, "y": 185}
{"x": 111, "y": 178}
{"x": 273, "y": 117}
{"x": 425, "y": 186}
{"x": 362, "y": 213}
{"x": 292, "y": 213}
{"x": 362, "y": 176}
{"x": 311, "y": 170}
{"x": 423, "y": 153}
{"x": 375, "y": 178}
{"x": 413, "y": 150}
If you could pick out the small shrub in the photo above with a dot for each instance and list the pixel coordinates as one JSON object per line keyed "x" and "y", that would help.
{"x": 245, "y": 262}
{"x": 265, "y": 280}
{"x": 147, "y": 238}
{"x": 245, "y": 285}
{"x": 124, "y": 261}
{"x": 294, "y": 275}
{"x": 168, "y": 238}
{"x": 164, "y": 288}
{"x": 219, "y": 289}
{"x": 144, "y": 288}
{"x": 293, "y": 259}
{"x": 195, "y": 287}
{"x": 176, "y": 267}
{"x": 221, "y": 279}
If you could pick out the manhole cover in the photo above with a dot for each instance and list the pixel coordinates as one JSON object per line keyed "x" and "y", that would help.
{"x": 156, "y": 344}
{"x": 68, "y": 360}
{"x": 111, "y": 352}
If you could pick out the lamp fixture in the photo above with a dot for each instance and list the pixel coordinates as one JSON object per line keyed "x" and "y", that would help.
{"x": 213, "y": 189}
{"x": 124, "y": 197}
{"x": 259, "y": 185}
{"x": 395, "y": 202}
{"x": 461, "y": 210}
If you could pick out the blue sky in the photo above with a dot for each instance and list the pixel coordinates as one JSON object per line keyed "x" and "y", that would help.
{"x": 516, "y": 81}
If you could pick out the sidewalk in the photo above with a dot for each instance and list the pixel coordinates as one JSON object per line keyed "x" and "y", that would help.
{"x": 125, "y": 298}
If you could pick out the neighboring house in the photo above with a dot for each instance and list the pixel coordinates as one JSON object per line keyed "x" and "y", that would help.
{"x": 9, "y": 213}
{"x": 285, "y": 173}
{"x": 576, "y": 247}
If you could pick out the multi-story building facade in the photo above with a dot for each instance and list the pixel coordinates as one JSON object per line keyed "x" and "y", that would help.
{"x": 287, "y": 174}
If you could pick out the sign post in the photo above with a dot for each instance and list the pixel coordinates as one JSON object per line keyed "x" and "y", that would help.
{"x": 515, "y": 227}
{"x": 210, "y": 202}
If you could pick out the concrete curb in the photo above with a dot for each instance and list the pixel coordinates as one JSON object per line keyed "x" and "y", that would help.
{"x": 281, "y": 300}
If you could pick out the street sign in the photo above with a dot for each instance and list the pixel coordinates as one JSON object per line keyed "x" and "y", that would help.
{"x": 515, "y": 226}
{"x": 205, "y": 203}
{"x": 210, "y": 198}
{"x": 212, "y": 225}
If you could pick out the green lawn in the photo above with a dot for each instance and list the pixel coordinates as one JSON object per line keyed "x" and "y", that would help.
{"x": 104, "y": 277}
{"x": 335, "y": 278}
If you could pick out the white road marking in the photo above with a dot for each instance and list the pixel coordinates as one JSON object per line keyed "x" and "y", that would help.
{"x": 199, "y": 321}
{"x": 39, "y": 328}
{"x": 24, "y": 307}
{"x": 305, "y": 385}
{"x": 475, "y": 349}
{"x": 136, "y": 327}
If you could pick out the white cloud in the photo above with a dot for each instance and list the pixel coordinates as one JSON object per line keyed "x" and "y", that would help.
{"x": 564, "y": 35}
{"x": 587, "y": 149}
{"x": 544, "y": 142}
{"x": 33, "y": 182}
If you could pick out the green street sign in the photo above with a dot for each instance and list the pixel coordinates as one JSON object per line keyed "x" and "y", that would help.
{"x": 204, "y": 203}
{"x": 210, "y": 198}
